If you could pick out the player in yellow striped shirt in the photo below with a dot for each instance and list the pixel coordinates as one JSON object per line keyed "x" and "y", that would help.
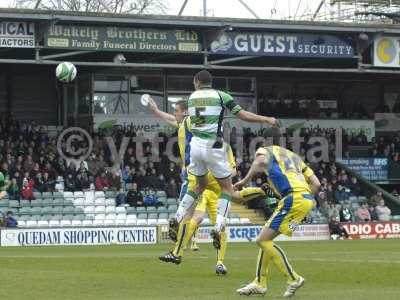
{"x": 295, "y": 184}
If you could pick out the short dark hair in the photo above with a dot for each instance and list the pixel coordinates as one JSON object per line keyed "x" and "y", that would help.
{"x": 204, "y": 77}
{"x": 182, "y": 104}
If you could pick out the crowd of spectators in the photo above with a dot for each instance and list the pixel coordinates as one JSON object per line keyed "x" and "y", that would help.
{"x": 31, "y": 163}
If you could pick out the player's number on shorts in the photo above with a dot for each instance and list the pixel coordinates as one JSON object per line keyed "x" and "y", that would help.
{"x": 200, "y": 119}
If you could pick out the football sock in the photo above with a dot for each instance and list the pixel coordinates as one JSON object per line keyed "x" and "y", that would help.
{"x": 271, "y": 252}
{"x": 222, "y": 250}
{"x": 190, "y": 228}
{"x": 222, "y": 211}
{"x": 251, "y": 193}
{"x": 179, "y": 245}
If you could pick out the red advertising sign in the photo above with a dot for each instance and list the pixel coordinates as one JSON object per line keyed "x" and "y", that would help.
{"x": 372, "y": 230}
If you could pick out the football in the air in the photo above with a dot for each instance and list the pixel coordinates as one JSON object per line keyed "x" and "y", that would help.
{"x": 66, "y": 72}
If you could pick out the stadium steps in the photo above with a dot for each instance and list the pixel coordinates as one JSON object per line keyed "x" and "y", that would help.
{"x": 244, "y": 212}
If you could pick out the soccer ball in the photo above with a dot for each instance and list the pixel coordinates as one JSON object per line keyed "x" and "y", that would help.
{"x": 66, "y": 72}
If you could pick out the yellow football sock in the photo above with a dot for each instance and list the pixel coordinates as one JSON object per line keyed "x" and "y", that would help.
{"x": 271, "y": 252}
{"x": 251, "y": 193}
{"x": 179, "y": 245}
{"x": 184, "y": 234}
{"x": 193, "y": 238}
{"x": 224, "y": 243}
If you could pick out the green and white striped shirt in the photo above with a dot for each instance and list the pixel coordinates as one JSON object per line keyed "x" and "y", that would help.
{"x": 206, "y": 110}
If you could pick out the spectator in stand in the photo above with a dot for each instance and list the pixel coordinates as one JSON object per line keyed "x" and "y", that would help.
{"x": 354, "y": 186}
{"x": 396, "y": 107}
{"x": 134, "y": 197}
{"x": 340, "y": 194}
{"x": 375, "y": 199}
{"x": 102, "y": 183}
{"x": 336, "y": 230}
{"x": 27, "y": 190}
{"x": 149, "y": 198}
{"x": 69, "y": 183}
{"x": 383, "y": 212}
{"x": 48, "y": 183}
{"x": 161, "y": 183}
{"x": 396, "y": 194}
{"x": 13, "y": 190}
{"x": 345, "y": 213}
{"x": 172, "y": 189}
{"x": 121, "y": 198}
{"x": 10, "y": 221}
{"x": 127, "y": 175}
{"x": 363, "y": 214}
{"x": 333, "y": 212}
{"x": 314, "y": 109}
{"x": 372, "y": 212}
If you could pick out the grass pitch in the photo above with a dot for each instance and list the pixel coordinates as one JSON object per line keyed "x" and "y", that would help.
{"x": 354, "y": 270}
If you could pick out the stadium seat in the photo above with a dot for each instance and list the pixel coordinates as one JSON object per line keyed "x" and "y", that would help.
{"x": 245, "y": 221}
{"x": 206, "y": 221}
{"x": 110, "y": 194}
{"x": 120, "y": 222}
{"x": 120, "y": 217}
{"x": 151, "y": 221}
{"x": 109, "y": 222}
{"x": 131, "y": 216}
{"x": 79, "y": 201}
{"x": 163, "y": 216}
{"x": 79, "y": 194}
{"x": 68, "y": 210}
{"x": 99, "y": 209}
{"x": 110, "y": 202}
{"x": 47, "y": 202}
{"x": 57, "y": 210}
{"x": 4, "y": 202}
{"x": 24, "y": 210}
{"x": 171, "y": 201}
{"x": 98, "y": 223}
{"x": 162, "y": 200}
{"x": 396, "y": 217}
{"x": 47, "y": 195}
{"x": 79, "y": 209}
{"x": 65, "y": 223}
{"x": 111, "y": 216}
{"x": 13, "y": 203}
{"x": 161, "y": 194}
{"x": 68, "y": 194}
{"x": 172, "y": 208}
{"x": 89, "y": 210}
{"x": 171, "y": 216}
{"x": 100, "y": 202}
{"x": 162, "y": 209}
{"x": 90, "y": 216}
{"x": 42, "y": 223}
{"x": 25, "y": 203}
{"x": 57, "y": 217}
{"x": 120, "y": 210}
{"x": 37, "y": 203}
{"x": 58, "y": 201}
{"x": 234, "y": 221}
{"x": 151, "y": 209}
{"x": 54, "y": 223}
{"x": 58, "y": 195}
{"x": 99, "y": 217}
{"x": 130, "y": 222}
{"x": 162, "y": 222}
{"x": 362, "y": 199}
{"x": 67, "y": 216}
{"x": 37, "y": 195}
{"x": 79, "y": 217}
{"x": 47, "y": 210}
{"x": 87, "y": 222}
{"x": 76, "y": 223}
{"x": 130, "y": 209}
{"x": 141, "y": 222}
{"x": 142, "y": 216}
{"x": 99, "y": 194}
{"x": 129, "y": 186}
{"x": 140, "y": 209}
{"x": 21, "y": 223}
{"x": 152, "y": 216}
{"x": 67, "y": 201}
{"x": 31, "y": 223}
{"x": 110, "y": 209}
{"x": 89, "y": 202}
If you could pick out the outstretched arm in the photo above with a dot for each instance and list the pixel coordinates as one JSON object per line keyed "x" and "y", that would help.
{"x": 168, "y": 118}
{"x": 258, "y": 166}
{"x": 253, "y": 118}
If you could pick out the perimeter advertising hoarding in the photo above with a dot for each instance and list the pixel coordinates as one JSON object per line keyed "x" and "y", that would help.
{"x": 78, "y": 236}
{"x": 378, "y": 230}
{"x": 124, "y": 39}
{"x": 249, "y": 233}
{"x": 17, "y": 35}
{"x": 283, "y": 44}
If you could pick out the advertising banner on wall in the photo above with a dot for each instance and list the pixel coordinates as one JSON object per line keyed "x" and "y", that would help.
{"x": 249, "y": 233}
{"x": 387, "y": 51}
{"x": 283, "y": 44}
{"x": 17, "y": 35}
{"x": 78, "y": 236}
{"x": 378, "y": 230}
{"x": 125, "y": 39}
{"x": 369, "y": 168}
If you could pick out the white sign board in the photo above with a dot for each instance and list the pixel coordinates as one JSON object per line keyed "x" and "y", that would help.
{"x": 17, "y": 35}
{"x": 78, "y": 236}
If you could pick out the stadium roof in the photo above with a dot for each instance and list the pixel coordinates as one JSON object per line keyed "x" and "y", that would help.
{"x": 185, "y": 21}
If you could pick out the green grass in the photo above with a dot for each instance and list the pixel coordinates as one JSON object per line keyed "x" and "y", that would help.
{"x": 333, "y": 269}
